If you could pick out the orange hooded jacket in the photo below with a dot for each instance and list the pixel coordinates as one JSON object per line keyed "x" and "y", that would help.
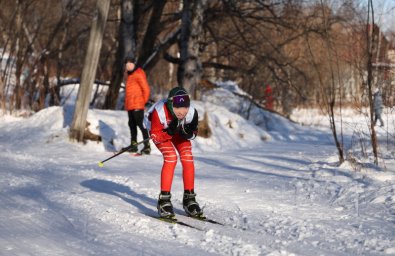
{"x": 137, "y": 90}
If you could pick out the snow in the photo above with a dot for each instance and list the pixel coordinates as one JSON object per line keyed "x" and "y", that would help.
{"x": 277, "y": 190}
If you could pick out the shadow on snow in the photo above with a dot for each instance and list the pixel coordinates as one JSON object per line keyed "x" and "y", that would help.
{"x": 123, "y": 192}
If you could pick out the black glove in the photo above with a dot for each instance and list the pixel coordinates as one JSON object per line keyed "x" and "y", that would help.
{"x": 173, "y": 127}
{"x": 188, "y": 131}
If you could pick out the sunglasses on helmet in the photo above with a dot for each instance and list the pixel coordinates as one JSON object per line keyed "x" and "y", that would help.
{"x": 180, "y": 101}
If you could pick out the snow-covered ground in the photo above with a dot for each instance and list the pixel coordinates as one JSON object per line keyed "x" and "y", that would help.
{"x": 278, "y": 190}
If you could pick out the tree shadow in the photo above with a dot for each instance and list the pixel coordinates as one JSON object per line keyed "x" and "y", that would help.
{"x": 243, "y": 170}
{"x": 107, "y": 134}
{"x": 284, "y": 169}
{"x": 123, "y": 192}
{"x": 68, "y": 112}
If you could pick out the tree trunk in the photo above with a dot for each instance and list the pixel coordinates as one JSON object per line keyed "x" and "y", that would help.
{"x": 153, "y": 30}
{"x": 127, "y": 46}
{"x": 18, "y": 91}
{"x": 190, "y": 68}
{"x": 55, "y": 93}
{"x": 370, "y": 47}
{"x": 2, "y": 96}
{"x": 89, "y": 70}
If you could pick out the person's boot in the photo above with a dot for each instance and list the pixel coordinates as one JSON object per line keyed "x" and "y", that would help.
{"x": 132, "y": 148}
{"x": 191, "y": 207}
{"x": 146, "y": 149}
{"x": 165, "y": 208}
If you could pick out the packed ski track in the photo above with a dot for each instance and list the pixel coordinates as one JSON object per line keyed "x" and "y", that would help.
{"x": 274, "y": 198}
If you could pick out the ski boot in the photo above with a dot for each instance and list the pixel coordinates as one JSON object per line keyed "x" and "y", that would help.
{"x": 132, "y": 148}
{"x": 191, "y": 207}
{"x": 165, "y": 208}
{"x": 146, "y": 149}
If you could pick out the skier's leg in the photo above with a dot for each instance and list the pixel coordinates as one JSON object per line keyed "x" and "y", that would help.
{"x": 132, "y": 125}
{"x": 139, "y": 117}
{"x": 184, "y": 148}
{"x": 165, "y": 208}
{"x": 381, "y": 121}
{"x": 133, "y": 131}
{"x": 169, "y": 164}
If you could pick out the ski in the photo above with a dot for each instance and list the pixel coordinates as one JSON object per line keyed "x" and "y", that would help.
{"x": 205, "y": 219}
{"x": 175, "y": 221}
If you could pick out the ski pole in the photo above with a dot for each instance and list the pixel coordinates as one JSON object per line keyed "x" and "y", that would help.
{"x": 101, "y": 163}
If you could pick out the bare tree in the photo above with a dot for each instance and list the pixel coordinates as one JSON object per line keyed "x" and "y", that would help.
{"x": 252, "y": 42}
{"x": 126, "y": 45}
{"x": 151, "y": 35}
{"x": 190, "y": 67}
{"x": 370, "y": 47}
{"x": 331, "y": 94}
{"x": 78, "y": 126}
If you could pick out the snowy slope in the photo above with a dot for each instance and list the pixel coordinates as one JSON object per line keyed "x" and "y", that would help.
{"x": 278, "y": 191}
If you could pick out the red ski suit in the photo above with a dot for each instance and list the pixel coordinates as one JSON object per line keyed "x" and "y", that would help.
{"x": 168, "y": 145}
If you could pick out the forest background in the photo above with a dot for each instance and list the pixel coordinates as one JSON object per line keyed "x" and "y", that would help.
{"x": 320, "y": 53}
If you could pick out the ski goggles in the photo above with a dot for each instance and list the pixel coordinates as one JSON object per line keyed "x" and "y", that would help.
{"x": 180, "y": 101}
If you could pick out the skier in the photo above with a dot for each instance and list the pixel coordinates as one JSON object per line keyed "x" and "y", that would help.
{"x": 172, "y": 123}
{"x": 136, "y": 96}
{"x": 378, "y": 107}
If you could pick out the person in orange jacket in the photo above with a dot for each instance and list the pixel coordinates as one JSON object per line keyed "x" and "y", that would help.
{"x": 137, "y": 93}
{"x": 172, "y": 123}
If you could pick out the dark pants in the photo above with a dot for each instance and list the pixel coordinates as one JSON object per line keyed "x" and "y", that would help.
{"x": 377, "y": 116}
{"x": 136, "y": 120}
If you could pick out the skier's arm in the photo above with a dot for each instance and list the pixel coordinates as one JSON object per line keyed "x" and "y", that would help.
{"x": 144, "y": 86}
{"x": 158, "y": 134}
